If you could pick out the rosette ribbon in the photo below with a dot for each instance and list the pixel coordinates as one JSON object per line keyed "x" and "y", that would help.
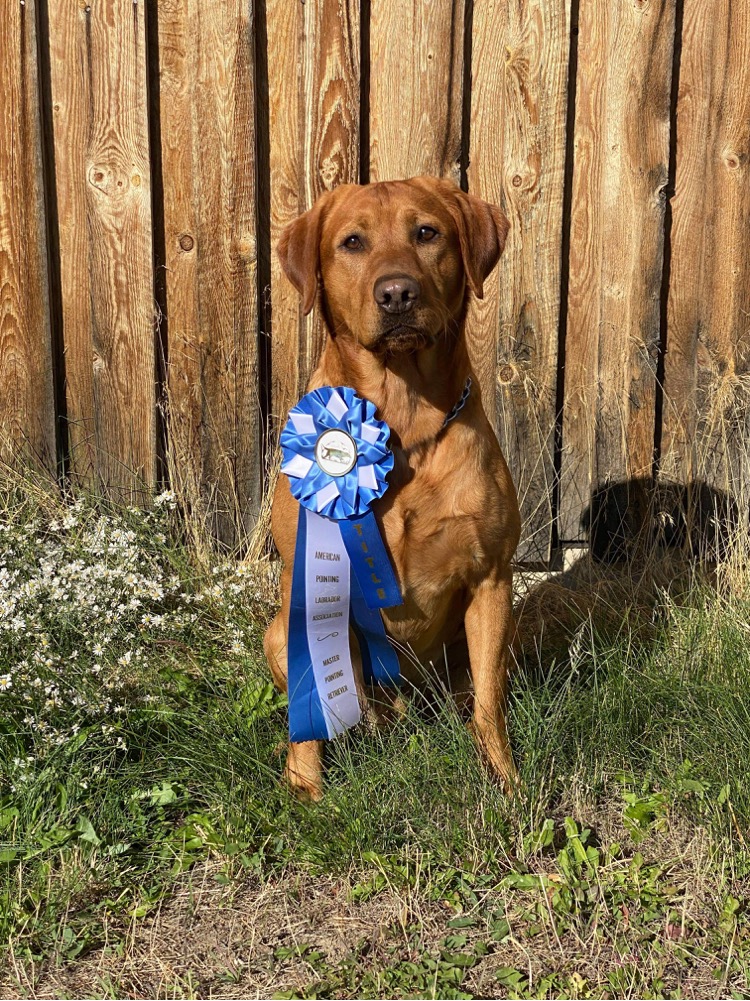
{"x": 335, "y": 453}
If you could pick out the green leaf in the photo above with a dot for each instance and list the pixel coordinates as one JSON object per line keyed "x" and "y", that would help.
{"x": 461, "y": 959}
{"x": 571, "y": 828}
{"x": 523, "y": 881}
{"x": 86, "y": 831}
{"x": 500, "y": 930}
{"x": 541, "y": 838}
{"x": 8, "y": 816}
{"x": 509, "y": 975}
{"x": 163, "y": 795}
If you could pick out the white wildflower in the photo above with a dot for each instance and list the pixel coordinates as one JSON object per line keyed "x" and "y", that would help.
{"x": 166, "y": 498}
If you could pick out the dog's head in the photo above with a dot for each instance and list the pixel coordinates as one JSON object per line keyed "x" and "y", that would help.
{"x": 394, "y": 259}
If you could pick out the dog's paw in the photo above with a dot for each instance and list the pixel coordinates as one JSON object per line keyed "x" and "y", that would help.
{"x": 303, "y": 773}
{"x": 496, "y": 754}
{"x": 305, "y": 789}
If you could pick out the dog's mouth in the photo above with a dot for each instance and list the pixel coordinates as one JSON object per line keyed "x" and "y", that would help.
{"x": 401, "y": 338}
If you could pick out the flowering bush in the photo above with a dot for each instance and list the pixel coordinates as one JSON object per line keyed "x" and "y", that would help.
{"x": 93, "y": 606}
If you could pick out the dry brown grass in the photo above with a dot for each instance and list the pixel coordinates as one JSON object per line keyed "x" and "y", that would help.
{"x": 212, "y": 941}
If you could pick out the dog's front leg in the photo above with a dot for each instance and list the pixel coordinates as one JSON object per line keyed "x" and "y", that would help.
{"x": 489, "y": 631}
{"x": 304, "y": 763}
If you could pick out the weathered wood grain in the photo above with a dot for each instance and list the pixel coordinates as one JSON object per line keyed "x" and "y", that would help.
{"x": 27, "y": 415}
{"x": 98, "y": 87}
{"x": 313, "y": 81}
{"x": 416, "y": 88}
{"x": 285, "y": 53}
{"x": 517, "y": 160}
{"x": 207, "y": 106}
{"x": 706, "y": 425}
{"x": 616, "y": 249}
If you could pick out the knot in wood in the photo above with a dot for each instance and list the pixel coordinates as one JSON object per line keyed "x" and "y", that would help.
{"x": 506, "y": 374}
{"x": 517, "y": 181}
{"x": 186, "y": 242}
{"x": 246, "y": 247}
{"x": 732, "y": 160}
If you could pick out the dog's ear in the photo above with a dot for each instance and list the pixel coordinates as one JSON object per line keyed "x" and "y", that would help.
{"x": 299, "y": 252}
{"x": 482, "y": 230}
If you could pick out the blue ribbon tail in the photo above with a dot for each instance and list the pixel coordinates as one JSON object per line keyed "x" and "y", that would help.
{"x": 370, "y": 562}
{"x": 379, "y": 659}
{"x": 306, "y": 719}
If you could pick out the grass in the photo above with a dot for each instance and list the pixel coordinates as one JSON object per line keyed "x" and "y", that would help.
{"x": 147, "y": 848}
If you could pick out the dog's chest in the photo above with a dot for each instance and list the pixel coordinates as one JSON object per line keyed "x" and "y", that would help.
{"x": 443, "y": 526}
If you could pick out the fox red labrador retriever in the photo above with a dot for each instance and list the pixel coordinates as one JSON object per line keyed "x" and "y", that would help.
{"x": 395, "y": 264}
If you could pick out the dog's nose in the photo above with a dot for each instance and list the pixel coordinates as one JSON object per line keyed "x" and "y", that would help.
{"x": 397, "y": 293}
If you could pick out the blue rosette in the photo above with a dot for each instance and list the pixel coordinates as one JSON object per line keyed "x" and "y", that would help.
{"x": 335, "y": 453}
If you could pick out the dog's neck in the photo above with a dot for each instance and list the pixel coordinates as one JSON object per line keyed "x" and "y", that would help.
{"x": 413, "y": 391}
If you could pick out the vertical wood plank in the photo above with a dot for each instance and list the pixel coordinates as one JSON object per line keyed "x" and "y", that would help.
{"x": 207, "y": 107}
{"x": 27, "y": 416}
{"x": 517, "y": 160}
{"x": 707, "y": 363}
{"x": 416, "y": 88}
{"x": 313, "y": 70}
{"x": 98, "y": 86}
{"x": 285, "y": 53}
{"x": 616, "y": 249}
{"x": 330, "y": 84}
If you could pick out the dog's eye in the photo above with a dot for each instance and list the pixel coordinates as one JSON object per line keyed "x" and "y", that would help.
{"x": 426, "y": 233}
{"x": 352, "y": 242}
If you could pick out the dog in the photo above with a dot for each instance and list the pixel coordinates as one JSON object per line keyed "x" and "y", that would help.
{"x": 394, "y": 265}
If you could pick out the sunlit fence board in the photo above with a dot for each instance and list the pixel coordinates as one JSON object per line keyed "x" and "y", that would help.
{"x": 103, "y": 193}
{"x": 620, "y": 172}
{"x": 313, "y": 82}
{"x": 707, "y": 365}
{"x": 207, "y": 125}
{"x": 518, "y": 130}
{"x": 416, "y": 88}
{"x": 27, "y": 412}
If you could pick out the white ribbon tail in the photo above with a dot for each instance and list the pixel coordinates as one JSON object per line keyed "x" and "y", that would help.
{"x": 327, "y": 571}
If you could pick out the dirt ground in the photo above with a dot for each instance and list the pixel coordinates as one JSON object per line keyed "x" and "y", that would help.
{"x": 213, "y": 941}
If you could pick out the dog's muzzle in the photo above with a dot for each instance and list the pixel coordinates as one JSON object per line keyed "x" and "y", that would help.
{"x": 401, "y": 338}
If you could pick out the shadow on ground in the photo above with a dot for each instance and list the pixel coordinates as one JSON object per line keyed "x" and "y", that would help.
{"x": 643, "y": 539}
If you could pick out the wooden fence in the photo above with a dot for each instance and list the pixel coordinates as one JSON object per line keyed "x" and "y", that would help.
{"x": 150, "y": 154}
